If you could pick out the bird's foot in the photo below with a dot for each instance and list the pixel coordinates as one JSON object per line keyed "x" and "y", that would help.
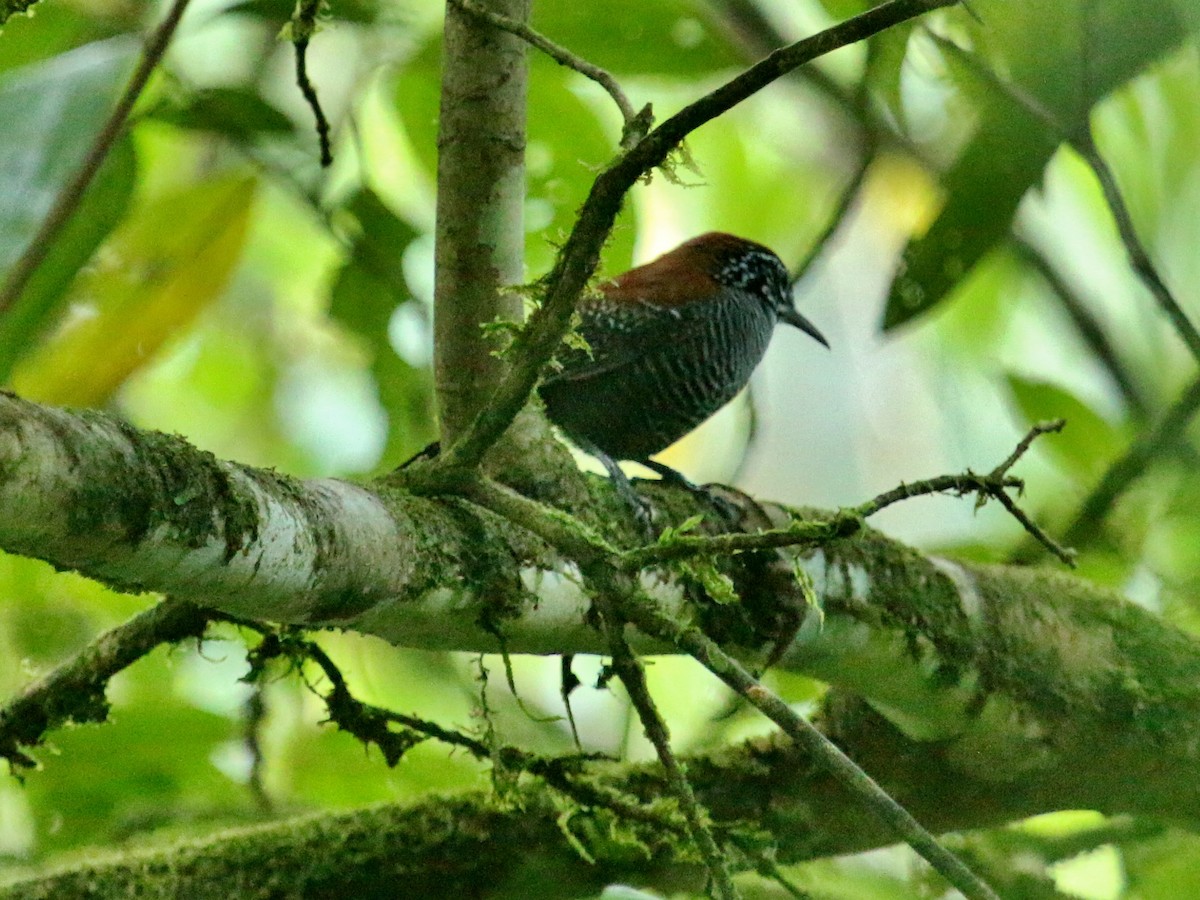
{"x": 429, "y": 452}
{"x": 638, "y": 505}
{"x": 730, "y": 513}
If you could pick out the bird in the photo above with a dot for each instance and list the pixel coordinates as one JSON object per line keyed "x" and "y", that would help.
{"x": 668, "y": 344}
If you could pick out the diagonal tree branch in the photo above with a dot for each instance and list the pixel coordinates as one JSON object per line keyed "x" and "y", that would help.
{"x": 74, "y": 692}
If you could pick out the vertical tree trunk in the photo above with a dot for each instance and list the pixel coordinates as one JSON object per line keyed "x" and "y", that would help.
{"x": 481, "y": 188}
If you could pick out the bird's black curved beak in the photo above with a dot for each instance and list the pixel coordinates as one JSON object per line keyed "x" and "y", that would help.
{"x": 789, "y": 315}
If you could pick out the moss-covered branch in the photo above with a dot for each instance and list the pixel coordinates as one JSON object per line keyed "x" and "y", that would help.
{"x": 443, "y": 846}
{"x": 1001, "y": 674}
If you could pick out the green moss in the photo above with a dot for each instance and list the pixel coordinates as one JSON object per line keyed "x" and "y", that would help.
{"x": 1067, "y": 648}
{"x": 165, "y": 483}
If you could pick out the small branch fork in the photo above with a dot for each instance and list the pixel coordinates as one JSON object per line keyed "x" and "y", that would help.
{"x": 619, "y": 601}
{"x": 993, "y": 485}
{"x": 812, "y": 533}
{"x": 635, "y": 123}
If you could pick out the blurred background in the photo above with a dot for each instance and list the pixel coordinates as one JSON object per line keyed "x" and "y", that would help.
{"x": 218, "y": 283}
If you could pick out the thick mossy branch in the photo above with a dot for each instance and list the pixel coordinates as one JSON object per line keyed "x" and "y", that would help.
{"x": 992, "y": 678}
{"x": 925, "y": 639}
{"x": 448, "y": 844}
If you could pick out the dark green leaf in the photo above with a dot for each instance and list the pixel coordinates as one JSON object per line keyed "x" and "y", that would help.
{"x": 366, "y": 295}
{"x": 235, "y": 112}
{"x": 45, "y": 142}
{"x": 1063, "y": 57}
{"x": 49, "y": 30}
{"x": 983, "y": 188}
{"x": 1088, "y": 442}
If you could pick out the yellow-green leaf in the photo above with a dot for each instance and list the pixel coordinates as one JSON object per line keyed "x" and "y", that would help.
{"x": 170, "y": 259}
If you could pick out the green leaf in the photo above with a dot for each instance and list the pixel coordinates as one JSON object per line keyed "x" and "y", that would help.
{"x": 367, "y": 294}
{"x": 671, "y": 532}
{"x": 663, "y": 37}
{"x": 235, "y": 112}
{"x": 48, "y": 30}
{"x": 159, "y": 270}
{"x": 566, "y": 147}
{"x": 45, "y": 141}
{"x": 1064, "y": 57}
{"x": 984, "y": 188}
{"x": 1088, "y": 442}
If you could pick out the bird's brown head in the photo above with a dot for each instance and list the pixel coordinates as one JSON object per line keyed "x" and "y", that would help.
{"x": 705, "y": 266}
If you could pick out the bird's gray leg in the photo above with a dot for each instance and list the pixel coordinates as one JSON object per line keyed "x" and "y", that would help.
{"x": 726, "y": 509}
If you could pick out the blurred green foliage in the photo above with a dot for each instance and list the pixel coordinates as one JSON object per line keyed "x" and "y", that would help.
{"x": 216, "y": 283}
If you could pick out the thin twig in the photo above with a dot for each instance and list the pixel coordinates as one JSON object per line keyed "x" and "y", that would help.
{"x": 560, "y": 55}
{"x": 633, "y": 676}
{"x": 1054, "y": 426}
{"x": 1085, "y": 323}
{"x": 74, "y": 691}
{"x": 303, "y": 27}
{"x": 994, "y": 484}
{"x": 960, "y": 485}
{"x": 68, "y": 199}
{"x": 1139, "y": 257}
{"x": 820, "y": 748}
{"x": 580, "y": 254}
{"x": 815, "y": 532}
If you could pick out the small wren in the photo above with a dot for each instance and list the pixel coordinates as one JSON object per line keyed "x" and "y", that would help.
{"x": 671, "y": 342}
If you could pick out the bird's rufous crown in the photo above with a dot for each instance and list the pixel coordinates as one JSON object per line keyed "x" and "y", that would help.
{"x": 697, "y": 269}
